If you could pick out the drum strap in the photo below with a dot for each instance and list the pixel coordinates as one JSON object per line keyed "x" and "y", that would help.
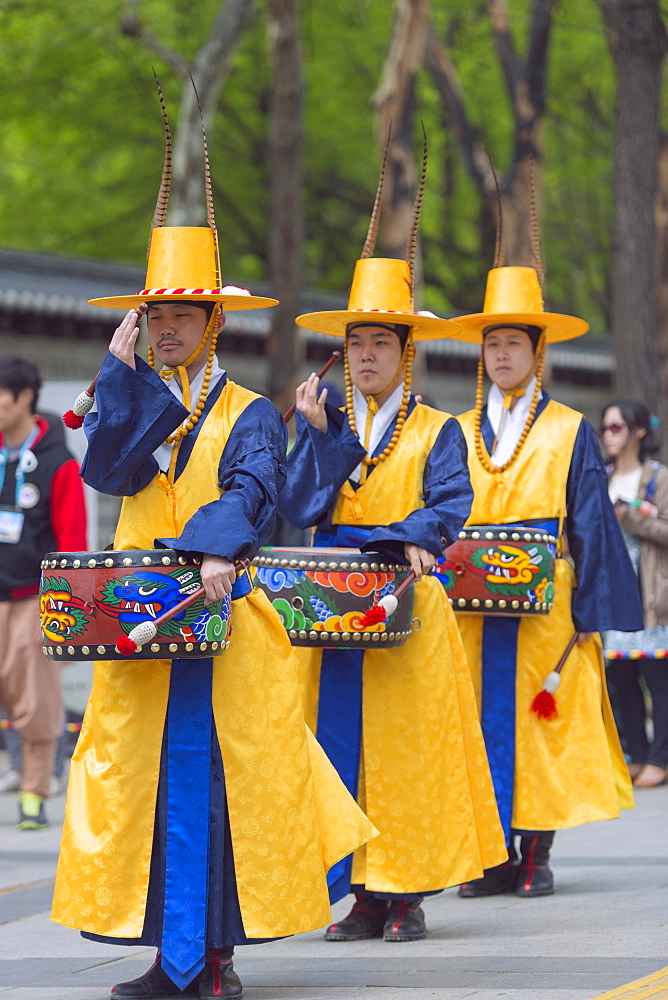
{"x": 189, "y": 722}
{"x": 499, "y": 656}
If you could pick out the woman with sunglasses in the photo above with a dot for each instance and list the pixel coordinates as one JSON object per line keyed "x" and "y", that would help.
{"x": 638, "y": 488}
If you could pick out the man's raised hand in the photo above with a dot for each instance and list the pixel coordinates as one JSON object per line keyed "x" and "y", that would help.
{"x": 122, "y": 344}
{"x": 308, "y": 403}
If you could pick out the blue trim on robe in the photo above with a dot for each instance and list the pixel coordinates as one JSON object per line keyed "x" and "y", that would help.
{"x": 320, "y": 463}
{"x": 607, "y": 594}
{"x": 595, "y": 543}
{"x": 251, "y": 470}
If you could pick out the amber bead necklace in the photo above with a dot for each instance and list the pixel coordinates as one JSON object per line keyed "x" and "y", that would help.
{"x": 210, "y": 333}
{"x": 481, "y": 451}
{"x": 408, "y": 354}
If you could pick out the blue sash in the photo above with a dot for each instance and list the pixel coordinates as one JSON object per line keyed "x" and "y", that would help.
{"x": 339, "y": 729}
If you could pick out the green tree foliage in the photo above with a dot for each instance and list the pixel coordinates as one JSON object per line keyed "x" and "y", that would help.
{"x": 81, "y": 145}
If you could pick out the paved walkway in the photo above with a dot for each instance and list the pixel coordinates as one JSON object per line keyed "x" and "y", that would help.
{"x": 605, "y": 928}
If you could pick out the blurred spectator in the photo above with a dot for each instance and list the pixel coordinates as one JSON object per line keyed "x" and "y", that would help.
{"x": 41, "y": 510}
{"x": 638, "y": 488}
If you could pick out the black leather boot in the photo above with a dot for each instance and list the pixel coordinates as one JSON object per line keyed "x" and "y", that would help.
{"x": 365, "y": 920}
{"x": 218, "y": 978}
{"x": 155, "y": 984}
{"x": 494, "y": 881}
{"x": 405, "y": 921}
{"x": 534, "y": 877}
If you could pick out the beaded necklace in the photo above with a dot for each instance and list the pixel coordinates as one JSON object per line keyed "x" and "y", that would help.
{"x": 211, "y": 333}
{"x": 407, "y": 354}
{"x": 480, "y": 449}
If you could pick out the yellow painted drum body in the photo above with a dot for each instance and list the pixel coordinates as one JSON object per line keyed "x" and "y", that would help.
{"x": 322, "y": 594}
{"x": 498, "y": 570}
{"x": 88, "y": 599}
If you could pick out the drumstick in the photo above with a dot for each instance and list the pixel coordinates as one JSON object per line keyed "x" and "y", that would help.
{"x": 545, "y": 704}
{"x": 146, "y": 631}
{"x": 74, "y": 418}
{"x": 323, "y": 371}
{"x": 386, "y": 605}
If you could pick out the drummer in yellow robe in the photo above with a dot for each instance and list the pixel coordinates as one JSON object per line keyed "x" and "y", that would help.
{"x": 389, "y": 474}
{"x": 201, "y": 814}
{"x": 536, "y": 462}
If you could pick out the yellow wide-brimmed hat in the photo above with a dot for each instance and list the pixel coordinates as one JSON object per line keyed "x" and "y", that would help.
{"x": 380, "y": 293}
{"x": 514, "y": 296}
{"x": 182, "y": 264}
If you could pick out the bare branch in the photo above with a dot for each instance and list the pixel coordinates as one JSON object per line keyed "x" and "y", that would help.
{"x": 132, "y": 27}
{"x": 450, "y": 90}
{"x": 511, "y": 64}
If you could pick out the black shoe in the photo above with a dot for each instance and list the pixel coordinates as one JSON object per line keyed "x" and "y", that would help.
{"x": 153, "y": 985}
{"x": 534, "y": 877}
{"x": 365, "y": 920}
{"x": 218, "y": 978}
{"x": 405, "y": 921}
{"x": 501, "y": 878}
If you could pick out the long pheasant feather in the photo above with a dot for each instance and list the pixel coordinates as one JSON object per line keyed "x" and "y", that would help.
{"x": 210, "y": 218}
{"x": 411, "y": 245}
{"x": 160, "y": 213}
{"x": 370, "y": 241}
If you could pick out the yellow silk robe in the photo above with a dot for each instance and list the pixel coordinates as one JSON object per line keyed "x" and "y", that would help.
{"x": 424, "y": 777}
{"x": 290, "y": 816}
{"x": 571, "y": 770}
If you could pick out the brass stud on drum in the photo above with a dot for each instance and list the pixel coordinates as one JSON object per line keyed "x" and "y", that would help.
{"x": 312, "y": 565}
{"x": 63, "y": 563}
{"x": 502, "y": 604}
{"x": 354, "y": 565}
{"x": 322, "y": 565}
{"x": 85, "y": 650}
{"x": 155, "y": 647}
{"x": 189, "y": 646}
{"x": 76, "y": 564}
{"x": 515, "y": 536}
{"x": 357, "y": 637}
{"x": 182, "y": 560}
{"x": 71, "y": 650}
{"x": 54, "y": 563}
{"x": 503, "y": 535}
{"x": 346, "y": 636}
{"x": 173, "y": 647}
{"x": 489, "y": 603}
{"x": 475, "y": 602}
{"x": 365, "y": 567}
{"x": 461, "y": 601}
{"x": 294, "y": 563}
{"x": 59, "y": 650}
{"x": 475, "y": 534}
{"x": 146, "y": 560}
{"x": 462, "y": 534}
{"x": 214, "y": 645}
{"x": 283, "y": 563}
{"x": 344, "y": 565}
{"x": 375, "y": 636}
{"x": 514, "y": 604}
{"x": 166, "y": 561}
{"x": 489, "y": 534}
{"x": 303, "y": 564}
{"x": 527, "y": 537}
{"x": 101, "y": 650}
{"x": 313, "y": 635}
{"x": 203, "y": 646}
{"x": 375, "y": 567}
{"x": 108, "y": 563}
{"x": 334, "y": 565}
{"x": 127, "y": 562}
{"x": 302, "y": 634}
{"x": 526, "y": 605}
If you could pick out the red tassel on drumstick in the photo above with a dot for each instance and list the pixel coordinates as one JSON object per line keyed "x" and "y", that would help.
{"x": 323, "y": 371}
{"x": 545, "y": 704}
{"x": 146, "y": 631}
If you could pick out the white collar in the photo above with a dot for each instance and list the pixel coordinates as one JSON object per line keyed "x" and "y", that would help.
{"x": 380, "y": 421}
{"x": 514, "y": 421}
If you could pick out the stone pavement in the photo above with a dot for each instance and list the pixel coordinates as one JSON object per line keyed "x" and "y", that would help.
{"x": 604, "y": 928}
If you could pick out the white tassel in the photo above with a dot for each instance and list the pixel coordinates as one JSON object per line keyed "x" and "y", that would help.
{"x": 143, "y": 633}
{"x": 389, "y": 603}
{"x": 83, "y": 404}
{"x": 551, "y": 682}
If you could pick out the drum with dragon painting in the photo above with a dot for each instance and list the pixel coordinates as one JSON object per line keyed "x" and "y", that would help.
{"x": 322, "y": 594}
{"x": 88, "y": 599}
{"x": 500, "y": 569}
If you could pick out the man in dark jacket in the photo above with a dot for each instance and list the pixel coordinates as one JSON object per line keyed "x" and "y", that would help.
{"x": 41, "y": 510}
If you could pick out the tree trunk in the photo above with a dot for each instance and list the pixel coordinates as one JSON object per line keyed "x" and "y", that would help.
{"x": 638, "y": 42}
{"x": 525, "y": 85}
{"x": 209, "y": 70}
{"x": 394, "y": 104}
{"x": 286, "y": 143}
